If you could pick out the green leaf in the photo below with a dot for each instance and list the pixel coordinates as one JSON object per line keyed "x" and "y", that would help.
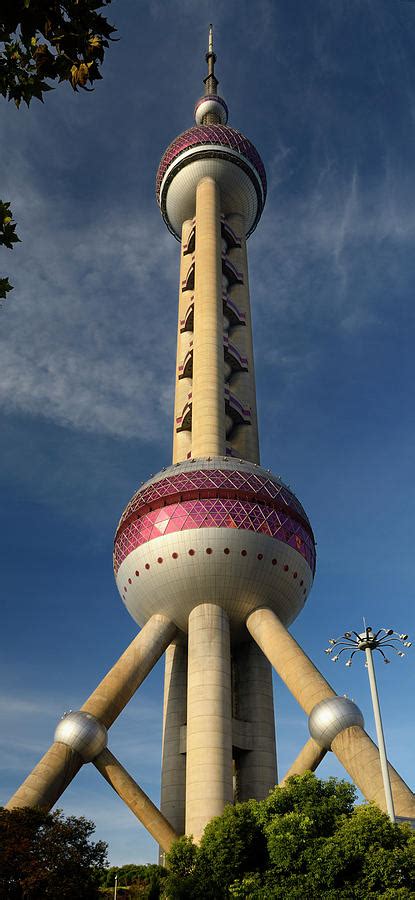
{"x": 5, "y": 287}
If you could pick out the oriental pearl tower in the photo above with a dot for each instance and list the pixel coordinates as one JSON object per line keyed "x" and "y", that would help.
{"x": 214, "y": 556}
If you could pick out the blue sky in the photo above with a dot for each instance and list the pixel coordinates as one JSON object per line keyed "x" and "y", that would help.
{"x": 326, "y": 91}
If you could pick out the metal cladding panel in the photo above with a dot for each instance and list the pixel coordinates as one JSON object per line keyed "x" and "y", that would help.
{"x": 330, "y": 717}
{"x": 82, "y": 732}
{"x": 239, "y": 571}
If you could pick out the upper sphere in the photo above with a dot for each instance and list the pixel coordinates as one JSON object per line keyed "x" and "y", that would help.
{"x": 222, "y": 153}
{"x": 211, "y": 104}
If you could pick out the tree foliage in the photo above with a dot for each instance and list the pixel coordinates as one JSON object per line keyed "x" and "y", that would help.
{"x": 58, "y": 40}
{"x": 305, "y": 840}
{"x": 46, "y": 855}
{"x": 8, "y": 238}
{"x": 142, "y": 881}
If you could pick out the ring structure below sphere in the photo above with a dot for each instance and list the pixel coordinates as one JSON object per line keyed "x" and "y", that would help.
{"x": 218, "y": 152}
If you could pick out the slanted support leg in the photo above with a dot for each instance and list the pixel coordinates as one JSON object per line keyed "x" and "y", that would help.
{"x": 130, "y": 670}
{"x": 61, "y": 762}
{"x": 307, "y": 760}
{"x": 135, "y": 798}
{"x": 48, "y": 780}
{"x": 352, "y": 746}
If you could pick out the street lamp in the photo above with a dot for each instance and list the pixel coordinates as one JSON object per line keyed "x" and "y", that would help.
{"x": 350, "y": 642}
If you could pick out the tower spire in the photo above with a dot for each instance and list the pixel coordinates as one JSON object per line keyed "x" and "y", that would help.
{"x": 211, "y": 109}
{"x": 211, "y": 82}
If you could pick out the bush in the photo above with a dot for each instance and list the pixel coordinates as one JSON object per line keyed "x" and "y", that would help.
{"x": 305, "y": 840}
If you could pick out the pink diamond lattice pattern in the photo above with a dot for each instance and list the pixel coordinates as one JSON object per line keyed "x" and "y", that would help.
{"x": 221, "y": 135}
{"x": 207, "y": 483}
{"x": 214, "y": 498}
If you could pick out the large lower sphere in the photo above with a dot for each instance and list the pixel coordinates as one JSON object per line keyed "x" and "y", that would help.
{"x": 217, "y": 531}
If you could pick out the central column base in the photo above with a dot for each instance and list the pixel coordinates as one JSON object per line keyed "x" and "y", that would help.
{"x": 209, "y": 784}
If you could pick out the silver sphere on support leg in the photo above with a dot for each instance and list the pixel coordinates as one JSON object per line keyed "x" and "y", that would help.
{"x": 329, "y": 717}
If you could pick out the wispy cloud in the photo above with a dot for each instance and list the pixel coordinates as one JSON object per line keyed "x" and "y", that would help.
{"x": 81, "y": 341}
{"x": 23, "y": 706}
{"x": 322, "y": 256}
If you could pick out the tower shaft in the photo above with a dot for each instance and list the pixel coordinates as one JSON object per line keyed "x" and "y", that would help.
{"x": 209, "y": 718}
{"x": 215, "y": 396}
{"x": 208, "y": 404}
{"x": 235, "y": 733}
{"x": 246, "y": 441}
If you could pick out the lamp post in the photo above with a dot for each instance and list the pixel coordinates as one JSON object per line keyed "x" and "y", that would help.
{"x": 115, "y": 887}
{"x": 350, "y": 642}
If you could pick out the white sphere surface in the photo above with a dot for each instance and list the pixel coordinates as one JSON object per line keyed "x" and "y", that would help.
{"x": 238, "y": 194}
{"x": 260, "y": 551}
{"x": 211, "y": 104}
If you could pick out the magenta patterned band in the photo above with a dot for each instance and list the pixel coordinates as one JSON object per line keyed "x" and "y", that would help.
{"x": 214, "y": 513}
{"x": 219, "y": 499}
{"x": 222, "y": 135}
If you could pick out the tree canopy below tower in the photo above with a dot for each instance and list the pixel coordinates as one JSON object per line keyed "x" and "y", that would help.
{"x": 47, "y": 855}
{"x": 306, "y": 839}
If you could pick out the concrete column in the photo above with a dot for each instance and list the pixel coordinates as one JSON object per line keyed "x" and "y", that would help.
{"x": 256, "y": 769}
{"x": 173, "y": 763}
{"x": 360, "y": 757}
{"x": 208, "y": 404}
{"x": 59, "y": 765}
{"x": 48, "y": 780}
{"x": 209, "y": 784}
{"x": 353, "y": 747}
{"x": 307, "y": 760}
{"x": 182, "y": 440}
{"x": 245, "y": 439}
{"x": 135, "y": 798}
{"x": 302, "y": 678}
{"x": 130, "y": 670}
